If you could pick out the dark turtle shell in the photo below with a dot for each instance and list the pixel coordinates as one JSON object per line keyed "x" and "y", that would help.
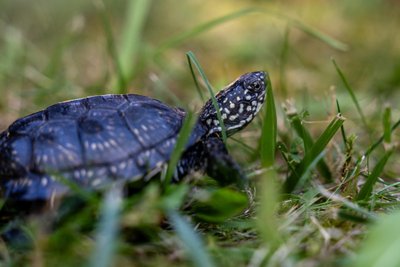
{"x": 89, "y": 141}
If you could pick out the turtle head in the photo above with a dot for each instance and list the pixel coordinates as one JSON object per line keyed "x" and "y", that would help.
{"x": 238, "y": 103}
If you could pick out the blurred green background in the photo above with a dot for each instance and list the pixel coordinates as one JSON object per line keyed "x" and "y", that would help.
{"x": 57, "y": 50}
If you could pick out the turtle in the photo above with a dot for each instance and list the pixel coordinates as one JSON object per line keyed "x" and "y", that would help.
{"x": 99, "y": 140}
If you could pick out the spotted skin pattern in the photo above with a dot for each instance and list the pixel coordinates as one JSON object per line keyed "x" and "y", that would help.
{"x": 238, "y": 103}
{"x": 97, "y": 140}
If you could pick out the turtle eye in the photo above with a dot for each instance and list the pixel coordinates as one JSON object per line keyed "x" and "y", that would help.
{"x": 256, "y": 85}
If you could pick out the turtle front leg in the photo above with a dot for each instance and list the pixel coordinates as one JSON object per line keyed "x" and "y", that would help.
{"x": 221, "y": 166}
{"x": 211, "y": 156}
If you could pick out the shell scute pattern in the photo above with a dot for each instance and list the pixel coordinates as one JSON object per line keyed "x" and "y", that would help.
{"x": 16, "y": 154}
{"x": 152, "y": 123}
{"x": 105, "y": 137}
{"x": 90, "y": 141}
{"x": 27, "y": 124}
{"x": 107, "y": 101}
{"x": 56, "y": 146}
{"x": 66, "y": 110}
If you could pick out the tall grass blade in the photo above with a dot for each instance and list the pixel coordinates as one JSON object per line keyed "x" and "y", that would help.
{"x": 320, "y": 35}
{"x": 387, "y": 121}
{"x": 315, "y": 151}
{"x": 191, "y": 242}
{"x": 107, "y": 231}
{"x": 324, "y": 139}
{"x": 367, "y": 188}
{"x": 111, "y": 48}
{"x": 180, "y": 145}
{"x": 196, "y": 82}
{"x": 136, "y": 15}
{"x": 307, "y": 172}
{"x": 342, "y": 127}
{"x": 332, "y": 42}
{"x": 382, "y": 246}
{"x": 182, "y": 37}
{"x": 302, "y": 132}
{"x": 193, "y": 58}
{"x": 351, "y": 92}
{"x": 380, "y": 140}
{"x": 308, "y": 144}
{"x": 268, "y": 221}
{"x": 269, "y": 129}
{"x": 283, "y": 62}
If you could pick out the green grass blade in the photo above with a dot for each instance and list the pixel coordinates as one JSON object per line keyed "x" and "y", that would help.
{"x": 308, "y": 143}
{"x": 307, "y": 172}
{"x": 320, "y": 35}
{"x": 136, "y": 15}
{"x": 344, "y": 137}
{"x": 351, "y": 92}
{"x": 324, "y": 139}
{"x": 382, "y": 246}
{"x": 107, "y": 232}
{"x": 182, "y": 37}
{"x": 193, "y": 58}
{"x": 267, "y": 221}
{"x": 285, "y": 152}
{"x": 380, "y": 140}
{"x": 332, "y": 42}
{"x": 282, "y": 63}
{"x": 111, "y": 49}
{"x": 269, "y": 129}
{"x": 315, "y": 151}
{"x": 301, "y": 131}
{"x": 387, "y": 121}
{"x": 191, "y": 242}
{"x": 180, "y": 145}
{"x": 196, "y": 83}
{"x": 367, "y": 188}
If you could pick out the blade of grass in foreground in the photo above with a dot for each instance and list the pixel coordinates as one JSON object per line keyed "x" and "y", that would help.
{"x": 106, "y": 234}
{"x": 191, "y": 242}
{"x": 267, "y": 220}
{"x": 382, "y": 246}
{"x": 351, "y": 92}
{"x": 180, "y": 145}
{"x": 315, "y": 151}
{"x": 193, "y": 58}
{"x": 269, "y": 129}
